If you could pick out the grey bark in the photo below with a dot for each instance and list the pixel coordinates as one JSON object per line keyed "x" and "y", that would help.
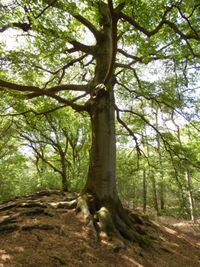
{"x": 101, "y": 175}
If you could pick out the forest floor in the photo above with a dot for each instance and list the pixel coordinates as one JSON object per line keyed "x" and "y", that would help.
{"x": 38, "y": 231}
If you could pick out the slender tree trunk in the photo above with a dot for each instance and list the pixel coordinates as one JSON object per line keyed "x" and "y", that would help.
{"x": 144, "y": 191}
{"x": 161, "y": 171}
{"x": 162, "y": 199}
{"x": 154, "y": 191}
{"x": 64, "y": 176}
{"x": 190, "y": 197}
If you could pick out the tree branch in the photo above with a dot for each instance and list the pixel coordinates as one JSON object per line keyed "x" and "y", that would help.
{"x": 39, "y": 92}
{"x": 165, "y": 142}
{"x": 69, "y": 103}
{"x": 40, "y": 155}
{"x": 187, "y": 19}
{"x": 164, "y": 21}
{"x": 47, "y": 7}
{"x": 128, "y": 130}
{"x": 69, "y": 64}
{"x": 77, "y": 46}
{"x": 124, "y": 53}
{"x": 89, "y": 25}
{"x": 36, "y": 91}
{"x": 19, "y": 87}
{"x": 79, "y": 17}
{"x": 23, "y": 26}
{"x": 34, "y": 112}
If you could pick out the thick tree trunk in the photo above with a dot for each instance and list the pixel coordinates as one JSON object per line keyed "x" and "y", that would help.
{"x": 101, "y": 175}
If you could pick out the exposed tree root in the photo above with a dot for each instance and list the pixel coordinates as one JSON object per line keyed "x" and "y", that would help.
{"x": 37, "y": 226}
{"x": 114, "y": 221}
{"x": 109, "y": 217}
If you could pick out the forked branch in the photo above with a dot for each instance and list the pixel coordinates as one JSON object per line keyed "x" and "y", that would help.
{"x": 51, "y": 92}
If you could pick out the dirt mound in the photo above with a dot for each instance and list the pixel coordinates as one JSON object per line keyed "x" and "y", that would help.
{"x": 39, "y": 231}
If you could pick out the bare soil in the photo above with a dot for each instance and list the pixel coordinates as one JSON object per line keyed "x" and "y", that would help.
{"x": 39, "y": 231}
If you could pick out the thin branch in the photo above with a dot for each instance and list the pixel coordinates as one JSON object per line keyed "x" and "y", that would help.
{"x": 79, "y": 17}
{"x": 69, "y": 103}
{"x": 187, "y": 19}
{"x": 165, "y": 142}
{"x": 159, "y": 102}
{"x": 88, "y": 24}
{"x": 69, "y": 64}
{"x": 128, "y": 130}
{"x": 33, "y": 111}
{"x": 194, "y": 9}
{"x": 163, "y": 21}
{"x": 41, "y": 156}
{"x": 79, "y": 97}
{"x": 124, "y": 53}
{"x": 47, "y": 7}
{"x": 174, "y": 27}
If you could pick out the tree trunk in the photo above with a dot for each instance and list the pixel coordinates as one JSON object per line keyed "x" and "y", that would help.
{"x": 161, "y": 171}
{"x": 101, "y": 175}
{"x": 190, "y": 197}
{"x": 64, "y": 182}
{"x": 162, "y": 199}
{"x": 100, "y": 195}
{"x": 64, "y": 176}
{"x": 154, "y": 191}
{"x": 144, "y": 191}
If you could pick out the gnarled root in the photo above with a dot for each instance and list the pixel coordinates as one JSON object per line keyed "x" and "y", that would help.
{"x": 84, "y": 204}
{"x": 113, "y": 220}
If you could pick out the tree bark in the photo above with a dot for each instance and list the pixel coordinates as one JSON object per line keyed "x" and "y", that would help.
{"x": 144, "y": 191}
{"x": 64, "y": 167}
{"x": 99, "y": 196}
{"x": 101, "y": 175}
{"x": 161, "y": 183}
{"x": 190, "y": 197}
{"x": 154, "y": 192}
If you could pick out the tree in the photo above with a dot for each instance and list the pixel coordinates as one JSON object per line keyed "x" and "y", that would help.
{"x": 15, "y": 174}
{"x": 126, "y": 39}
{"x": 56, "y": 142}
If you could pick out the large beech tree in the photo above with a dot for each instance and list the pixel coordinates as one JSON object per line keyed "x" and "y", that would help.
{"x": 91, "y": 56}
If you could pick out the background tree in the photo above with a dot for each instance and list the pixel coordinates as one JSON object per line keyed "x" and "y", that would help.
{"x": 57, "y": 142}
